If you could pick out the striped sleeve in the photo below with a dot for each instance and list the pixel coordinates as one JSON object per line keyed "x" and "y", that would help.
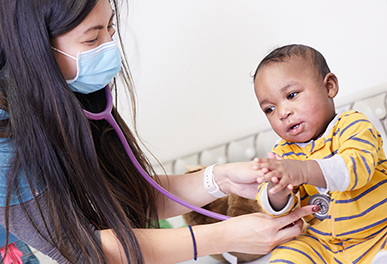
{"x": 263, "y": 201}
{"x": 360, "y": 144}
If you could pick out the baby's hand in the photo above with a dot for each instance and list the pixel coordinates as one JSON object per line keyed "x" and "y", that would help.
{"x": 263, "y": 171}
{"x": 272, "y": 155}
{"x": 274, "y": 180}
{"x": 283, "y": 173}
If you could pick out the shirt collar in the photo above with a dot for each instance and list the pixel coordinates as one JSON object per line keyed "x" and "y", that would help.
{"x": 329, "y": 128}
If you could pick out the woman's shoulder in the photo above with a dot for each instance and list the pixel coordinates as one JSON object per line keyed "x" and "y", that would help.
{"x": 6, "y": 159}
{"x": 6, "y": 147}
{"x": 3, "y": 115}
{"x": 6, "y": 154}
{"x": 6, "y": 151}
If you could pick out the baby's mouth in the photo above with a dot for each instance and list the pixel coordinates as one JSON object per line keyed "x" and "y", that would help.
{"x": 294, "y": 126}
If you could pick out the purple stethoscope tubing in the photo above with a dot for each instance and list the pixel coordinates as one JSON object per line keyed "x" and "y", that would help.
{"x": 107, "y": 115}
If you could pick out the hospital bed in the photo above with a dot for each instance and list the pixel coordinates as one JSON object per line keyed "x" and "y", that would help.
{"x": 371, "y": 102}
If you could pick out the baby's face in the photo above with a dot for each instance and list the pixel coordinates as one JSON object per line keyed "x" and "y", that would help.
{"x": 295, "y": 99}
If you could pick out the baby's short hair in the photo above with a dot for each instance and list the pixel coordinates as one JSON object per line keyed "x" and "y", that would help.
{"x": 282, "y": 53}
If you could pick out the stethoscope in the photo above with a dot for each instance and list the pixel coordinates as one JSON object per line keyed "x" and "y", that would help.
{"x": 107, "y": 115}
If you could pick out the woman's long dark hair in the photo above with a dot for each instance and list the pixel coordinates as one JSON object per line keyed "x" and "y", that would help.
{"x": 87, "y": 175}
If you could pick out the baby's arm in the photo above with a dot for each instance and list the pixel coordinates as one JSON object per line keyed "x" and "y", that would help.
{"x": 286, "y": 173}
{"x": 360, "y": 150}
{"x": 276, "y": 208}
{"x": 279, "y": 200}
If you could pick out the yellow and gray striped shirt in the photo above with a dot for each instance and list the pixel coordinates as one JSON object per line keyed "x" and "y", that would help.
{"x": 354, "y": 165}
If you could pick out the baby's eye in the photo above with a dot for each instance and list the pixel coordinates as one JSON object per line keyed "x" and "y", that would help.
{"x": 268, "y": 110}
{"x": 292, "y": 95}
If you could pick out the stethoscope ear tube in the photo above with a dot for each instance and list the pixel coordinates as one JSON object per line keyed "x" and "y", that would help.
{"x": 107, "y": 115}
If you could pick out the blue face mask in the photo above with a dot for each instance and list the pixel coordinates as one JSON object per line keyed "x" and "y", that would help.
{"x": 95, "y": 68}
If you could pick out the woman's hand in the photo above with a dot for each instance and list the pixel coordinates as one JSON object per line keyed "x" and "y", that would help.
{"x": 239, "y": 178}
{"x": 254, "y": 233}
{"x": 259, "y": 233}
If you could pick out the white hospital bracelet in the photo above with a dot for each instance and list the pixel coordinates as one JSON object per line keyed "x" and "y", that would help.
{"x": 209, "y": 183}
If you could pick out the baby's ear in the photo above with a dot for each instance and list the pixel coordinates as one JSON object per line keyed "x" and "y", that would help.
{"x": 332, "y": 84}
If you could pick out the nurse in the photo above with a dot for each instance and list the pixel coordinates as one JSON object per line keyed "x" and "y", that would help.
{"x": 67, "y": 186}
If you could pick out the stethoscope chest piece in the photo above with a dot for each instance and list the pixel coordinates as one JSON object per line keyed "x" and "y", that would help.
{"x": 322, "y": 200}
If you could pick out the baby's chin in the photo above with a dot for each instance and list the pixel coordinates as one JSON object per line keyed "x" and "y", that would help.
{"x": 299, "y": 139}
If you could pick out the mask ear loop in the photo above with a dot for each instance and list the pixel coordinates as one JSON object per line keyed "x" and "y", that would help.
{"x": 64, "y": 53}
{"x": 72, "y": 57}
{"x": 107, "y": 115}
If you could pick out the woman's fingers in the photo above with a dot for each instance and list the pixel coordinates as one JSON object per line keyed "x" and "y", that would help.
{"x": 290, "y": 231}
{"x": 295, "y": 215}
{"x": 291, "y": 224}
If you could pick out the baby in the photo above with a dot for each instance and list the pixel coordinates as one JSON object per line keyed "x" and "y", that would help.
{"x": 334, "y": 160}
